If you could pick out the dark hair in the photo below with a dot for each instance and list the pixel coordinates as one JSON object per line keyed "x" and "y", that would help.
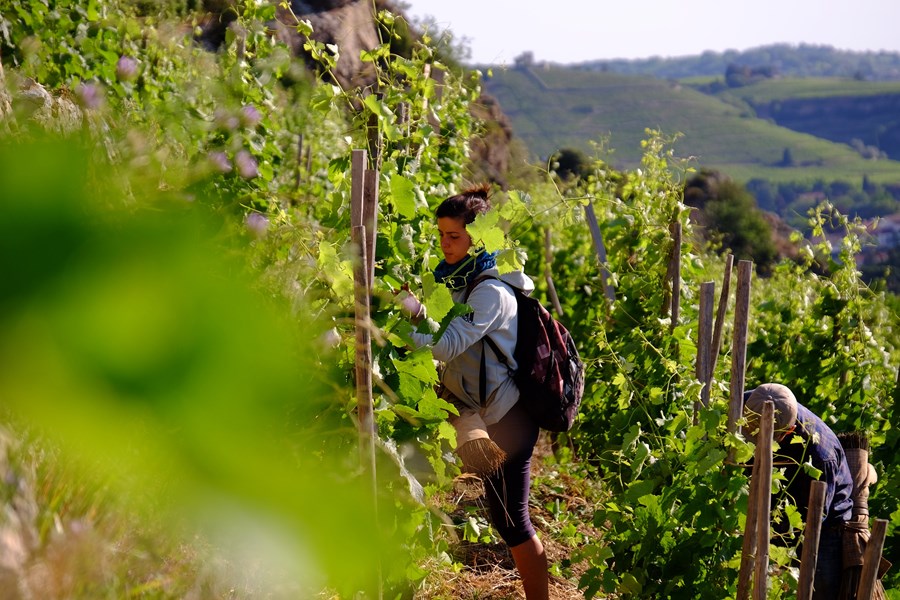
{"x": 467, "y": 204}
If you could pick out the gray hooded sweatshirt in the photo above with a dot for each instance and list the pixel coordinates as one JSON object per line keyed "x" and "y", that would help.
{"x": 459, "y": 348}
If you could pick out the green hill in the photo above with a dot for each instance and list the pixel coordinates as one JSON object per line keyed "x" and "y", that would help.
{"x": 859, "y": 113}
{"x": 554, "y": 107}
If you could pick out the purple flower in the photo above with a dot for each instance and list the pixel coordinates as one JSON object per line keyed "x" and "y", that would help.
{"x": 256, "y": 224}
{"x": 250, "y": 115}
{"x": 246, "y": 164}
{"x": 90, "y": 95}
{"x": 126, "y": 68}
{"x": 220, "y": 161}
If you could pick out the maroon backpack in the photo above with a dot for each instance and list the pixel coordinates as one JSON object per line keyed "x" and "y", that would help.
{"x": 550, "y": 374}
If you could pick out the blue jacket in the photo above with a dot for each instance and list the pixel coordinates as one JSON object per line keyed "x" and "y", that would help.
{"x": 821, "y": 447}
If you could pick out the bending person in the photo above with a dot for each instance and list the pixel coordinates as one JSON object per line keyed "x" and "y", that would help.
{"x": 804, "y": 438}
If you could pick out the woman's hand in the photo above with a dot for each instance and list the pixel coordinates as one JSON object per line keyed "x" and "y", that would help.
{"x": 410, "y": 305}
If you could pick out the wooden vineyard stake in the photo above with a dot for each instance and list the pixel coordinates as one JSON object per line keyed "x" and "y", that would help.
{"x": 763, "y": 500}
{"x": 811, "y": 535}
{"x": 739, "y": 345}
{"x": 675, "y": 272}
{"x": 362, "y": 214}
{"x": 720, "y": 315}
{"x": 357, "y": 187}
{"x": 370, "y": 222}
{"x": 362, "y": 286}
{"x": 601, "y": 251}
{"x": 748, "y": 549}
{"x": 548, "y": 274}
{"x": 363, "y": 353}
{"x": 755, "y": 550}
{"x": 704, "y": 343}
{"x": 871, "y": 560}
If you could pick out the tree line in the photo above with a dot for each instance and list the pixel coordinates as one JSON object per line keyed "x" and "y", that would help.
{"x": 804, "y": 60}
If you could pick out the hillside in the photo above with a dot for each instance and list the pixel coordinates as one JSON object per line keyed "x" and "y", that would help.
{"x": 840, "y": 110}
{"x": 554, "y": 107}
{"x": 209, "y": 384}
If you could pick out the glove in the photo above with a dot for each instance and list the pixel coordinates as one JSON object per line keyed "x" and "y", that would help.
{"x": 411, "y": 307}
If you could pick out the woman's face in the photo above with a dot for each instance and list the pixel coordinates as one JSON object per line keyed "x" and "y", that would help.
{"x": 455, "y": 241}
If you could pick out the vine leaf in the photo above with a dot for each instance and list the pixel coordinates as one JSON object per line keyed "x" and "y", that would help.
{"x": 514, "y": 210}
{"x": 403, "y": 196}
{"x": 438, "y": 301}
{"x": 485, "y": 232}
{"x": 432, "y": 407}
{"x": 338, "y": 272}
{"x": 419, "y": 365}
{"x": 510, "y": 260}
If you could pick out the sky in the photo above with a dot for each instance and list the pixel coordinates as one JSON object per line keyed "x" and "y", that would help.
{"x": 572, "y": 31}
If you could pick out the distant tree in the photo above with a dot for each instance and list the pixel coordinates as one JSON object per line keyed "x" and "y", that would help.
{"x": 729, "y": 214}
{"x": 740, "y": 75}
{"x": 787, "y": 158}
{"x": 570, "y": 163}
{"x": 866, "y": 184}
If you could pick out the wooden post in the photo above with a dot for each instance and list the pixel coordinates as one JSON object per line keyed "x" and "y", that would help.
{"x": 871, "y": 560}
{"x": 370, "y": 220}
{"x": 720, "y": 315}
{"x": 811, "y": 535}
{"x": 548, "y": 274}
{"x": 704, "y": 343}
{"x": 364, "y": 402}
{"x": 739, "y": 345}
{"x": 748, "y": 549}
{"x": 755, "y": 550}
{"x": 675, "y": 270}
{"x": 601, "y": 251}
{"x": 763, "y": 501}
{"x": 357, "y": 187}
{"x": 363, "y": 350}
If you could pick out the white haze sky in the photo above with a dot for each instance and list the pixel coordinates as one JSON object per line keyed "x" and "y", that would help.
{"x": 572, "y": 31}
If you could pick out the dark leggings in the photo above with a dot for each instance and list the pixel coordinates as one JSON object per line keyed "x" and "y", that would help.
{"x": 507, "y": 490}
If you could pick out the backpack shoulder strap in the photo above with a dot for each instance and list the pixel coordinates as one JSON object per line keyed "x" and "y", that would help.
{"x": 475, "y": 282}
{"x": 482, "y": 375}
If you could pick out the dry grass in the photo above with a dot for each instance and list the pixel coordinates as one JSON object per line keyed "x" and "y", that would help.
{"x": 485, "y": 570}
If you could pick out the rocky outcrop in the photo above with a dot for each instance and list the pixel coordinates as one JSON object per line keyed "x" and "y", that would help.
{"x": 491, "y": 150}
{"x": 27, "y": 100}
{"x": 348, "y": 24}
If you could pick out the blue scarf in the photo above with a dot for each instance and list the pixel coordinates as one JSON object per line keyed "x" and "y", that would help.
{"x": 458, "y": 275}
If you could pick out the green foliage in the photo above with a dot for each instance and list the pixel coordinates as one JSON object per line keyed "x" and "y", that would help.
{"x": 665, "y": 472}
{"x": 134, "y": 339}
{"x": 181, "y": 306}
{"x": 731, "y": 219}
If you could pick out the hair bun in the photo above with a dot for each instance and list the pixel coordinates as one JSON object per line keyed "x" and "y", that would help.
{"x": 482, "y": 191}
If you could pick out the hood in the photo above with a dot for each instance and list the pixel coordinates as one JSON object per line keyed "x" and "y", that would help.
{"x": 516, "y": 279}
